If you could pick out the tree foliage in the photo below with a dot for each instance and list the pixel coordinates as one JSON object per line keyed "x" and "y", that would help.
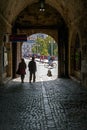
{"x": 43, "y": 46}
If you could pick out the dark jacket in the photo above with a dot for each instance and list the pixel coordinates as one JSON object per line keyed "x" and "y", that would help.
{"x": 22, "y": 67}
{"x": 32, "y": 66}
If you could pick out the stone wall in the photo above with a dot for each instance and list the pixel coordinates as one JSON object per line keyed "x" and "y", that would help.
{"x": 83, "y": 32}
{"x": 81, "y": 28}
{"x": 5, "y": 49}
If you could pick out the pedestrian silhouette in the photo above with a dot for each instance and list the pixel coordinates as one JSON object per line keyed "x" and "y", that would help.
{"x": 32, "y": 69}
{"x": 21, "y": 69}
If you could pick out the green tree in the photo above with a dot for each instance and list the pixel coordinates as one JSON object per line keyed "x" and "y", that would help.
{"x": 44, "y": 46}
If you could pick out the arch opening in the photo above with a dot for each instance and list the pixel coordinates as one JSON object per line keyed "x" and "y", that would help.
{"x": 45, "y": 50}
{"x": 50, "y": 22}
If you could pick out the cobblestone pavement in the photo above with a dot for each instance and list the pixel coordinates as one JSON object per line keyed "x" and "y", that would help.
{"x": 59, "y": 104}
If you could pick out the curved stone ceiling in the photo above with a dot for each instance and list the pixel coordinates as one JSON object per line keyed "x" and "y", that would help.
{"x": 71, "y": 10}
{"x": 32, "y": 17}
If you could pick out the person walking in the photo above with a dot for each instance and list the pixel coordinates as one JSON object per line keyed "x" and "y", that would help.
{"x": 21, "y": 69}
{"x": 32, "y": 69}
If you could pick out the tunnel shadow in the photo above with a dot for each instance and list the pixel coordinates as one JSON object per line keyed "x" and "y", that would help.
{"x": 15, "y": 85}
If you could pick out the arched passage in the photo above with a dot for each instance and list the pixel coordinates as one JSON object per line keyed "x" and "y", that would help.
{"x": 43, "y": 47}
{"x": 72, "y": 14}
{"x": 31, "y": 20}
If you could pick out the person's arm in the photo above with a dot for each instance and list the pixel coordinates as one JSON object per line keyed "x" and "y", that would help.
{"x": 29, "y": 66}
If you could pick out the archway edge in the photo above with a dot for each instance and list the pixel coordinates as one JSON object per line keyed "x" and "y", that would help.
{"x": 52, "y": 33}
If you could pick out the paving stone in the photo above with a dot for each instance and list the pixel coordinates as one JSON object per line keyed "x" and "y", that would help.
{"x": 59, "y": 104}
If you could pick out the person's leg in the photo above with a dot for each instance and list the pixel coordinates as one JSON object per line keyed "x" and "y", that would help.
{"x": 34, "y": 77}
{"x": 30, "y": 77}
{"x": 22, "y": 78}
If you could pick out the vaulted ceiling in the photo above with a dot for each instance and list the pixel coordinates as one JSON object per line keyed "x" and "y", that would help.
{"x": 32, "y": 17}
{"x": 70, "y": 10}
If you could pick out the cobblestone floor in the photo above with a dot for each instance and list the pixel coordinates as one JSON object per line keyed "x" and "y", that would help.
{"x": 59, "y": 104}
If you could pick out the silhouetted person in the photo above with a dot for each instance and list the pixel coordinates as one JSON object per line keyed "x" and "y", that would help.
{"x": 32, "y": 69}
{"x": 22, "y": 68}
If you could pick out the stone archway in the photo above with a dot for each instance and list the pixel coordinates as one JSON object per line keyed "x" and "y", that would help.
{"x": 72, "y": 12}
{"x": 31, "y": 20}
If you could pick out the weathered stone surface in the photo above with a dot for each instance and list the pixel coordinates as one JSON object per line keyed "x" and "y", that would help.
{"x": 53, "y": 105}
